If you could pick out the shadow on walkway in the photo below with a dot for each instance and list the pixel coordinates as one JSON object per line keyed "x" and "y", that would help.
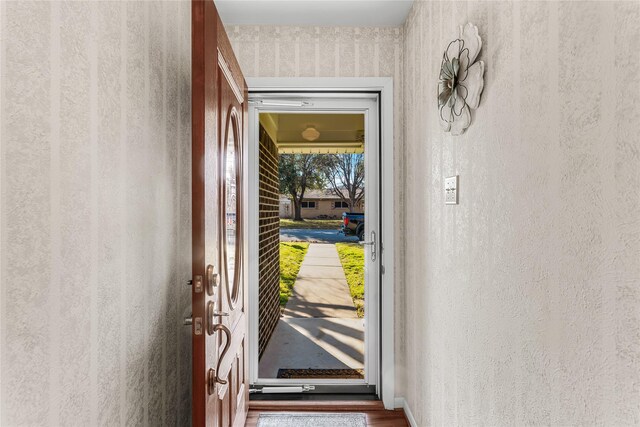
{"x": 320, "y": 328}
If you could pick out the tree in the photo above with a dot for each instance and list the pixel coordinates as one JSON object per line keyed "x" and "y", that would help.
{"x": 345, "y": 174}
{"x": 299, "y": 173}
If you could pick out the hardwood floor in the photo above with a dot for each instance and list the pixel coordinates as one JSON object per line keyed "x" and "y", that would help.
{"x": 377, "y": 416}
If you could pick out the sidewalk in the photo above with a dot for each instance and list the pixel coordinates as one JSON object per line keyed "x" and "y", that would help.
{"x": 320, "y": 328}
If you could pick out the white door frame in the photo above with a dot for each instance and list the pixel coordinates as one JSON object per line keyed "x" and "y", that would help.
{"x": 328, "y": 103}
{"x": 384, "y": 86}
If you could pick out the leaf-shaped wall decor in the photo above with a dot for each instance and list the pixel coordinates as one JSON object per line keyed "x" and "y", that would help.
{"x": 461, "y": 81}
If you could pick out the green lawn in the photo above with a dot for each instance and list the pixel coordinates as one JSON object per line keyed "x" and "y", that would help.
{"x": 291, "y": 256}
{"x": 316, "y": 224}
{"x": 352, "y": 259}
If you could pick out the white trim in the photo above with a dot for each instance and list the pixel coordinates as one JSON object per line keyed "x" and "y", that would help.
{"x": 401, "y": 402}
{"x": 345, "y": 103}
{"x": 372, "y": 279}
{"x": 384, "y": 85}
{"x": 252, "y": 227}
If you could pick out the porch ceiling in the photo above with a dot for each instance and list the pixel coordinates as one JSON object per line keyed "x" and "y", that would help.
{"x": 339, "y": 133}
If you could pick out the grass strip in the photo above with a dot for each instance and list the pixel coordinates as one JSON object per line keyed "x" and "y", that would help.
{"x": 352, "y": 259}
{"x": 291, "y": 257}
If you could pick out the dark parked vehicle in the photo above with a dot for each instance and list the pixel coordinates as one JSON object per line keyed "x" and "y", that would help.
{"x": 353, "y": 224}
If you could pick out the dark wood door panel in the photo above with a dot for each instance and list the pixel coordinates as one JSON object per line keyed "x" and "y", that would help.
{"x": 232, "y": 117}
{"x": 219, "y": 386}
{"x": 204, "y": 195}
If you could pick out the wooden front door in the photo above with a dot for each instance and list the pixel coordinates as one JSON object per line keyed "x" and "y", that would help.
{"x": 219, "y": 323}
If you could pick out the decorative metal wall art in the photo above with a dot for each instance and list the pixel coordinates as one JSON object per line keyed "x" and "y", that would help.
{"x": 461, "y": 81}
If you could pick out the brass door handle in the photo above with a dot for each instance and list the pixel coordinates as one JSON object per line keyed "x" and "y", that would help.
{"x": 227, "y": 344}
{"x": 212, "y": 314}
{"x": 212, "y": 328}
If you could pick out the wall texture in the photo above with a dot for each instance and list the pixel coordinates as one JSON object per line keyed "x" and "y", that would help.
{"x": 518, "y": 306}
{"x": 522, "y": 303}
{"x": 287, "y": 51}
{"x": 95, "y": 218}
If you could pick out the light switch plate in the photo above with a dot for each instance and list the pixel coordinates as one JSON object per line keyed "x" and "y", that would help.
{"x": 451, "y": 190}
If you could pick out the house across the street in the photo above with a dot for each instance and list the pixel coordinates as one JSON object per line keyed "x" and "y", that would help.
{"x": 319, "y": 204}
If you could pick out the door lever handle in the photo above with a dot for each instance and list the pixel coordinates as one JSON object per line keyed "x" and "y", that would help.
{"x": 212, "y": 328}
{"x": 227, "y": 345}
{"x": 212, "y": 375}
{"x": 213, "y": 313}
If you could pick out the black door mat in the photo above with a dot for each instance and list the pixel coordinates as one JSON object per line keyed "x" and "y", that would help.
{"x": 349, "y": 374}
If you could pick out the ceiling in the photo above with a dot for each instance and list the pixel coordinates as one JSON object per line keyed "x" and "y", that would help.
{"x": 339, "y": 133}
{"x": 361, "y": 13}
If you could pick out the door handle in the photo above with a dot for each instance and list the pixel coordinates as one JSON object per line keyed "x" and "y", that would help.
{"x": 220, "y": 314}
{"x": 227, "y": 344}
{"x": 372, "y": 243}
{"x": 212, "y": 313}
{"x": 212, "y": 328}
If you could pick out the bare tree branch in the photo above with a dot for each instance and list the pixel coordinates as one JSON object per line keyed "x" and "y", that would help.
{"x": 345, "y": 174}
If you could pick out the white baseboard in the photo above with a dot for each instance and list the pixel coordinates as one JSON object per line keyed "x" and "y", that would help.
{"x": 401, "y": 402}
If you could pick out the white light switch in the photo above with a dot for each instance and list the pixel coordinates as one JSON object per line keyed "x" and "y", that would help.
{"x": 451, "y": 190}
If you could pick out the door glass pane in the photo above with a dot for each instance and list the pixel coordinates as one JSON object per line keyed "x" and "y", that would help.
{"x": 231, "y": 209}
{"x": 312, "y": 222}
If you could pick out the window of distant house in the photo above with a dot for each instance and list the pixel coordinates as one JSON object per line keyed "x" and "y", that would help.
{"x": 341, "y": 204}
{"x": 309, "y": 205}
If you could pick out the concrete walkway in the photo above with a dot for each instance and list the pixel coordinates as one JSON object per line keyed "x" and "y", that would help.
{"x": 320, "y": 328}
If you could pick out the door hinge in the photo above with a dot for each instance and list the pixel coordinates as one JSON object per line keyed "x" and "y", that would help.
{"x": 382, "y": 269}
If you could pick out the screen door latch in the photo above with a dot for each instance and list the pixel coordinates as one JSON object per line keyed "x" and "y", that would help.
{"x": 372, "y": 243}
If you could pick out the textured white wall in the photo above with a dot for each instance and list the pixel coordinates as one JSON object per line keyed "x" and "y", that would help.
{"x": 288, "y": 51}
{"x": 95, "y": 217}
{"x": 522, "y": 304}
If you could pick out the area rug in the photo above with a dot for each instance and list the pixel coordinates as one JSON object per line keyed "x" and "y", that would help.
{"x": 312, "y": 420}
{"x": 350, "y": 374}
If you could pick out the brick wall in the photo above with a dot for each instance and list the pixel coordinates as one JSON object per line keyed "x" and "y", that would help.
{"x": 269, "y": 241}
